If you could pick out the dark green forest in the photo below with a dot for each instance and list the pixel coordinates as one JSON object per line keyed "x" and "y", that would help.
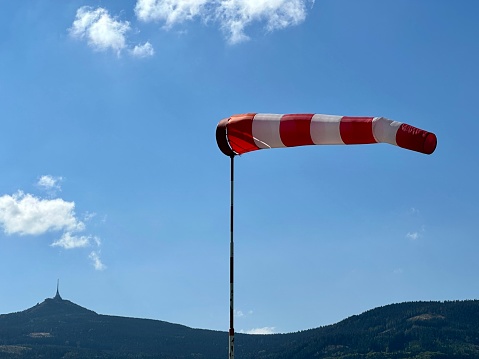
{"x": 58, "y": 328}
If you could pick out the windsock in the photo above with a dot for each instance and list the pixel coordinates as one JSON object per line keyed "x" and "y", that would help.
{"x": 244, "y": 133}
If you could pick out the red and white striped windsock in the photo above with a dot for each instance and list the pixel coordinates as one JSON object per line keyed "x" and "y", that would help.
{"x": 239, "y": 134}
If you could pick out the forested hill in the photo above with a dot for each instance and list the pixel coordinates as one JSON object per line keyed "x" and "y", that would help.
{"x": 406, "y": 330}
{"x": 58, "y": 328}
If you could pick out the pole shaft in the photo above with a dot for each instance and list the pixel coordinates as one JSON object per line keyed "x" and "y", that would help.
{"x": 231, "y": 354}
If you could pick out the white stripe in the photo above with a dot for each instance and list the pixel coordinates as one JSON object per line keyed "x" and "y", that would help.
{"x": 384, "y": 130}
{"x": 266, "y": 130}
{"x": 325, "y": 130}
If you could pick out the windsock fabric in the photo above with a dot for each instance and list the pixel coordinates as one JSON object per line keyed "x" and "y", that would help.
{"x": 244, "y": 133}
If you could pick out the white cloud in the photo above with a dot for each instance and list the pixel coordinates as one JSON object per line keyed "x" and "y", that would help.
{"x": 233, "y": 15}
{"x": 70, "y": 241}
{"x": 238, "y": 313}
{"x": 264, "y": 330}
{"x": 169, "y": 11}
{"x": 413, "y": 235}
{"x": 97, "y": 240}
{"x": 104, "y": 32}
{"x": 144, "y": 50}
{"x": 97, "y": 263}
{"x": 50, "y": 183}
{"x": 398, "y": 271}
{"x": 25, "y": 214}
{"x": 101, "y": 30}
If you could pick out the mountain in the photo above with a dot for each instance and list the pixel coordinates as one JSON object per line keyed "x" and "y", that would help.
{"x": 58, "y": 328}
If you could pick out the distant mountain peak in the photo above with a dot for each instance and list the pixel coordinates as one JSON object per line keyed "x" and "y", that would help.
{"x": 57, "y": 306}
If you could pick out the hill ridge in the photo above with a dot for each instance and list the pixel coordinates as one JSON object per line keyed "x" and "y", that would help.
{"x": 58, "y": 328}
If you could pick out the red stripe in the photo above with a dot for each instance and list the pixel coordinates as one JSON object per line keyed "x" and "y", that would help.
{"x": 357, "y": 130}
{"x": 240, "y": 133}
{"x": 416, "y": 139}
{"x": 295, "y": 130}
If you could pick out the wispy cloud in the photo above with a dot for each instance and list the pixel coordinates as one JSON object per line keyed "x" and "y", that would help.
{"x": 239, "y": 313}
{"x": 97, "y": 263}
{"x": 88, "y": 216}
{"x": 233, "y": 16}
{"x": 144, "y": 50}
{"x": 416, "y": 234}
{"x": 49, "y": 183}
{"x": 69, "y": 241}
{"x": 413, "y": 235}
{"x": 104, "y": 32}
{"x": 264, "y": 330}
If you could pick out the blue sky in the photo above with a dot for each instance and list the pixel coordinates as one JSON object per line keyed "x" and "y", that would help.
{"x": 112, "y": 180}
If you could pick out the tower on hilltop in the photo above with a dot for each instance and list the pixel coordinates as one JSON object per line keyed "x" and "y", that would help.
{"x": 57, "y": 296}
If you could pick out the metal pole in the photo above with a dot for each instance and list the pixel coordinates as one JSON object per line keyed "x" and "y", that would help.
{"x": 231, "y": 353}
